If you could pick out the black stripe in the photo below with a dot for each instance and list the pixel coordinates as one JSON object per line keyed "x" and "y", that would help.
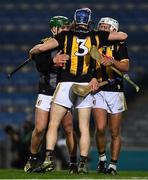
{"x": 80, "y": 62}
{"x": 68, "y": 50}
{"x": 93, "y": 39}
{"x": 103, "y": 68}
{"x": 92, "y": 61}
{"x": 115, "y": 51}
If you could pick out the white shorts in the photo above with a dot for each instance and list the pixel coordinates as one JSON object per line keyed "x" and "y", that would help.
{"x": 63, "y": 96}
{"x": 112, "y": 102}
{"x": 43, "y": 102}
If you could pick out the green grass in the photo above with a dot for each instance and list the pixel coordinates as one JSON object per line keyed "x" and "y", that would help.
{"x": 20, "y": 174}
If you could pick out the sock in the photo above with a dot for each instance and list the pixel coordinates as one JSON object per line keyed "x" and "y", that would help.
{"x": 83, "y": 158}
{"x": 49, "y": 152}
{"x": 113, "y": 164}
{"x": 73, "y": 160}
{"x": 34, "y": 156}
{"x": 102, "y": 156}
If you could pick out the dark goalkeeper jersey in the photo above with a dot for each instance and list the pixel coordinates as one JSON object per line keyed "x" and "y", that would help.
{"x": 49, "y": 74}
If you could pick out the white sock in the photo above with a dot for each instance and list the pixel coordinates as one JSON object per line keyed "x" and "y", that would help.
{"x": 102, "y": 157}
{"x": 112, "y": 166}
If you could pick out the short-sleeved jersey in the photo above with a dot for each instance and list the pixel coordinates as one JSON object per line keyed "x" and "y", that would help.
{"x": 49, "y": 74}
{"x": 118, "y": 50}
{"x": 77, "y": 45}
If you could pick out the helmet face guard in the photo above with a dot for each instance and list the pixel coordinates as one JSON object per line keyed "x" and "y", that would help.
{"x": 59, "y": 21}
{"x": 110, "y": 21}
{"x": 82, "y": 16}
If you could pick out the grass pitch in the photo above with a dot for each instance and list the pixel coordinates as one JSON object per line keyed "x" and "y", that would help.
{"x": 20, "y": 174}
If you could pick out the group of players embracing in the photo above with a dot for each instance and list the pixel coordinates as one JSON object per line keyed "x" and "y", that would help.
{"x": 63, "y": 60}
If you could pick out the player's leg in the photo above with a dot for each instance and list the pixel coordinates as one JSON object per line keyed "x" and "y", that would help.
{"x": 41, "y": 122}
{"x": 84, "y": 106}
{"x": 71, "y": 141}
{"x": 116, "y": 104}
{"x": 100, "y": 117}
{"x": 58, "y": 110}
{"x": 56, "y": 114}
{"x": 115, "y": 128}
{"x": 84, "y": 121}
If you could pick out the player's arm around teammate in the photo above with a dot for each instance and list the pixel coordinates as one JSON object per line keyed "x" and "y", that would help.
{"x": 53, "y": 43}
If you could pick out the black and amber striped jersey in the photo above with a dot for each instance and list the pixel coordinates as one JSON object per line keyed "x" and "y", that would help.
{"x": 118, "y": 50}
{"x": 77, "y": 45}
{"x": 49, "y": 74}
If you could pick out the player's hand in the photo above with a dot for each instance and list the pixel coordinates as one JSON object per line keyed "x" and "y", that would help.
{"x": 107, "y": 60}
{"x": 60, "y": 59}
{"x": 94, "y": 84}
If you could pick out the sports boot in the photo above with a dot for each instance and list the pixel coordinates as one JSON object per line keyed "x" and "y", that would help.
{"x": 31, "y": 163}
{"x": 101, "y": 167}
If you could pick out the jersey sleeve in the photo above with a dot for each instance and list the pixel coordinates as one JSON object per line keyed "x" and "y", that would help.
{"x": 122, "y": 51}
{"x": 60, "y": 38}
{"x": 103, "y": 38}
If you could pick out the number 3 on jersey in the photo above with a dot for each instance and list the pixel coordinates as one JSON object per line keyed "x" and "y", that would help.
{"x": 82, "y": 46}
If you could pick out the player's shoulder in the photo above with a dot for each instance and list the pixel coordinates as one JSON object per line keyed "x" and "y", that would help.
{"x": 45, "y": 39}
{"x": 61, "y": 35}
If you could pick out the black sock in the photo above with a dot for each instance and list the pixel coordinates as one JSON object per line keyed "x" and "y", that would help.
{"x": 102, "y": 153}
{"x": 49, "y": 152}
{"x": 73, "y": 159}
{"x": 113, "y": 161}
{"x": 34, "y": 155}
{"x": 83, "y": 158}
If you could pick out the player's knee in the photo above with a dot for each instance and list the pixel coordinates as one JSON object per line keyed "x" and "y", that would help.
{"x": 68, "y": 129}
{"x": 53, "y": 126}
{"x": 100, "y": 130}
{"x": 68, "y": 132}
{"x": 84, "y": 130}
{"x": 115, "y": 134}
{"x": 39, "y": 131}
